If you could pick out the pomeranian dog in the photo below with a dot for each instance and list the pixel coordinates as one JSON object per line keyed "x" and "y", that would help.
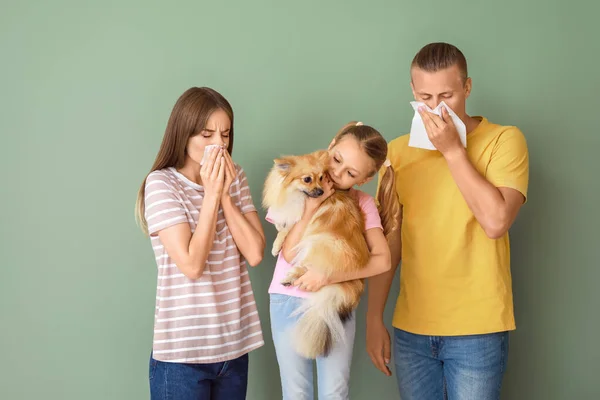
{"x": 332, "y": 242}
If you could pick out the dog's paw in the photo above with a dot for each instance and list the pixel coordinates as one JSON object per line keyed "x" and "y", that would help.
{"x": 275, "y": 250}
{"x": 288, "y": 280}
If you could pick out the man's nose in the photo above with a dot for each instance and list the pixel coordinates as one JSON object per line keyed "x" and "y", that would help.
{"x": 433, "y": 103}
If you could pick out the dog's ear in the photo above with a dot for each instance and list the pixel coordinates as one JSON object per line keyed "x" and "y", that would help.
{"x": 323, "y": 156}
{"x": 284, "y": 163}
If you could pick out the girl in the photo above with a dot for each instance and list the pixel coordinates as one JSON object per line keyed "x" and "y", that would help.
{"x": 204, "y": 228}
{"x": 356, "y": 154}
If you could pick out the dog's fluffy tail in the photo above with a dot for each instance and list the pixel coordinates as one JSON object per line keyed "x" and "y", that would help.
{"x": 322, "y": 322}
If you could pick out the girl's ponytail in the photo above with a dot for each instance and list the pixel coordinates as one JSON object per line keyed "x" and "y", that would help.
{"x": 388, "y": 202}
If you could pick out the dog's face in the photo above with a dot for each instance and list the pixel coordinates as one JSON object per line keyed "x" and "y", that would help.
{"x": 303, "y": 173}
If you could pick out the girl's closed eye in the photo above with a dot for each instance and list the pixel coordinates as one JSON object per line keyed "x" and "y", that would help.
{"x": 336, "y": 160}
{"x": 351, "y": 175}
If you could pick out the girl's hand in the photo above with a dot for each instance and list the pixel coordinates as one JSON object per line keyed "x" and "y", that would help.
{"x": 313, "y": 203}
{"x": 311, "y": 281}
{"x": 230, "y": 173}
{"x": 212, "y": 173}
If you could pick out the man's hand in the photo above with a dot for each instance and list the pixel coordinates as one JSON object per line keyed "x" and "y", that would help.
{"x": 378, "y": 345}
{"x": 441, "y": 132}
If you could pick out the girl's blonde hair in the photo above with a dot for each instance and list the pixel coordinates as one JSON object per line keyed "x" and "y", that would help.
{"x": 375, "y": 146}
{"x": 188, "y": 118}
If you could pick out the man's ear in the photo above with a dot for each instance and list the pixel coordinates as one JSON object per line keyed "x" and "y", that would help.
{"x": 468, "y": 87}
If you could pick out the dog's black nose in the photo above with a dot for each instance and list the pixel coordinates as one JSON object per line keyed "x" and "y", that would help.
{"x": 319, "y": 192}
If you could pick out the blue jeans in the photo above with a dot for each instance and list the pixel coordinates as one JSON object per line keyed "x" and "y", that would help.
{"x": 216, "y": 381}
{"x": 450, "y": 367}
{"x": 296, "y": 372}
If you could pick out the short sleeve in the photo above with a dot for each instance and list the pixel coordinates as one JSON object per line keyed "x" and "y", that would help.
{"x": 369, "y": 209}
{"x": 246, "y": 203}
{"x": 269, "y": 216}
{"x": 163, "y": 205}
{"x": 509, "y": 162}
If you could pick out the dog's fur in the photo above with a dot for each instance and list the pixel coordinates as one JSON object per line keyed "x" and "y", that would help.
{"x": 332, "y": 242}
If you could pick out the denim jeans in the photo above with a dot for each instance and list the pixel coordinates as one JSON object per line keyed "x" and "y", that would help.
{"x": 296, "y": 372}
{"x": 216, "y": 381}
{"x": 450, "y": 367}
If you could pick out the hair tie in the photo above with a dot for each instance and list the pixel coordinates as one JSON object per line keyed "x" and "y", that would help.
{"x": 387, "y": 163}
{"x": 359, "y": 123}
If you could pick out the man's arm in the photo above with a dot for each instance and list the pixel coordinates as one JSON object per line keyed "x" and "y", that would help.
{"x": 378, "y": 338}
{"x": 494, "y": 206}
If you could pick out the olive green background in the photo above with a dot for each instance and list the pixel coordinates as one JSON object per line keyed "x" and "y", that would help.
{"x": 86, "y": 88}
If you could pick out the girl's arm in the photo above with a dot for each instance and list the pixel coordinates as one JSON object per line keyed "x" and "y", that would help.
{"x": 295, "y": 234}
{"x": 246, "y": 229}
{"x": 379, "y": 263}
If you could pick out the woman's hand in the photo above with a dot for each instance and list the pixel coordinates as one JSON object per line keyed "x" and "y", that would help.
{"x": 230, "y": 173}
{"x": 311, "y": 281}
{"x": 212, "y": 173}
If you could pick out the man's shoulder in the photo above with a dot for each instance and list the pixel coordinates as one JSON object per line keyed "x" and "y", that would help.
{"x": 497, "y": 130}
{"x": 396, "y": 147}
{"x": 399, "y": 142}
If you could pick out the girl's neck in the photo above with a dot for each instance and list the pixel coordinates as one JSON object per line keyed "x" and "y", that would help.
{"x": 342, "y": 190}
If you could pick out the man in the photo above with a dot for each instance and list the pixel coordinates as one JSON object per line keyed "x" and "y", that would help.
{"x": 455, "y": 306}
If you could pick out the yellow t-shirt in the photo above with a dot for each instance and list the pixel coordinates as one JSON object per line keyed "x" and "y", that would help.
{"x": 455, "y": 280}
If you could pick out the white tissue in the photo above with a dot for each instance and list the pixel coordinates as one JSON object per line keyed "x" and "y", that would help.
{"x": 418, "y": 134}
{"x": 207, "y": 150}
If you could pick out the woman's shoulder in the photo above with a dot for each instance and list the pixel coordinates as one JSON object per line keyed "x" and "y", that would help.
{"x": 163, "y": 177}
{"x": 164, "y": 174}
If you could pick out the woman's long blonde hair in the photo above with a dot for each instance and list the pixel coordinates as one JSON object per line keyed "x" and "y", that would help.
{"x": 188, "y": 118}
{"x": 375, "y": 146}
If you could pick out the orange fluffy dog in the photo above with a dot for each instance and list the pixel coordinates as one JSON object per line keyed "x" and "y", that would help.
{"x": 332, "y": 242}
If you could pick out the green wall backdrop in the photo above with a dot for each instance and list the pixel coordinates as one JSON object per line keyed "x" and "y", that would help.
{"x": 86, "y": 88}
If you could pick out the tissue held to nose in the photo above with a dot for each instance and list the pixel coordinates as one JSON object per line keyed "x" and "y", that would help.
{"x": 207, "y": 150}
{"x": 418, "y": 135}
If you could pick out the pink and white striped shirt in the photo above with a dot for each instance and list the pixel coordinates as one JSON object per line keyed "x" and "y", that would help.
{"x": 214, "y": 318}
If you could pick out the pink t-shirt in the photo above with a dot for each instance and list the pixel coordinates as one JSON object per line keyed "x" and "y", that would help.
{"x": 372, "y": 220}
